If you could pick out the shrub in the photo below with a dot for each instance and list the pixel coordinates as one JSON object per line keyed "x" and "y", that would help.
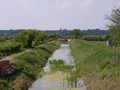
{"x": 11, "y": 48}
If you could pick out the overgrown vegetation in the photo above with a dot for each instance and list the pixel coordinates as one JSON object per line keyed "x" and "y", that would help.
{"x": 27, "y": 66}
{"x": 27, "y": 37}
{"x": 114, "y": 27}
{"x": 11, "y": 48}
{"x": 97, "y": 63}
{"x": 76, "y": 34}
{"x": 24, "y": 39}
{"x": 58, "y": 65}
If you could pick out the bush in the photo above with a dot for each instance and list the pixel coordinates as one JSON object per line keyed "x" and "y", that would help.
{"x": 93, "y": 38}
{"x": 11, "y": 48}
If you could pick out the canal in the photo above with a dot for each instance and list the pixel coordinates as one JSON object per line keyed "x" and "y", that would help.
{"x": 56, "y": 79}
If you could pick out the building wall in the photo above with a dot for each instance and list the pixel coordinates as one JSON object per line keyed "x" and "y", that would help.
{"x": 4, "y": 64}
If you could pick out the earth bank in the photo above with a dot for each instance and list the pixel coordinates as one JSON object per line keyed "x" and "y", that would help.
{"x": 28, "y": 65}
{"x": 97, "y": 63}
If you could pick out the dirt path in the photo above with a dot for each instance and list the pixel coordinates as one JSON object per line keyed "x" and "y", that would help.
{"x": 14, "y": 55}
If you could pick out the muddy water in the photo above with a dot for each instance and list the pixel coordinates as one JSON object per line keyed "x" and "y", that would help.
{"x": 57, "y": 80}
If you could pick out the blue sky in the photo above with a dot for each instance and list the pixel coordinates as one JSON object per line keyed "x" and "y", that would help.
{"x": 55, "y": 14}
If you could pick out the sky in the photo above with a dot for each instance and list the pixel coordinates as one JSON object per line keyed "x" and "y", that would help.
{"x": 55, "y": 14}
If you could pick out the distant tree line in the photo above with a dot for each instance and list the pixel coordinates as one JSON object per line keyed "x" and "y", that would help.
{"x": 64, "y": 32}
{"x": 9, "y": 32}
{"x": 79, "y": 34}
{"x": 29, "y": 37}
{"x": 76, "y": 33}
{"x": 95, "y": 32}
{"x": 95, "y": 37}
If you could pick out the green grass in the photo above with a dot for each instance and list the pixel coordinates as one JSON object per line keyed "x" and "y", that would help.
{"x": 97, "y": 62}
{"x": 27, "y": 67}
{"x": 59, "y": 65}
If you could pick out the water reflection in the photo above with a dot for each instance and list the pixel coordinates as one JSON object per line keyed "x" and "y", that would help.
{"x": 64, "y": 54}
{"x": 59, "y": 80}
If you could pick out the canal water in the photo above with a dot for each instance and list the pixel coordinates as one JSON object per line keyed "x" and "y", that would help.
{"x": 57, "y": 80}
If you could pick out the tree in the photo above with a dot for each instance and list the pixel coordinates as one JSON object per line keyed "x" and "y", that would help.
{"x": 25, "y": 37}
{"x": 40, "y": 37}
{"x": 76, "y": 33}
{"x": 114, "y": 27}
{"x": 2, "y": 39}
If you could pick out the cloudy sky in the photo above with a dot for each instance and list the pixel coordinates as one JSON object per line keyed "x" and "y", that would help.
{"x": 55, "y": 14}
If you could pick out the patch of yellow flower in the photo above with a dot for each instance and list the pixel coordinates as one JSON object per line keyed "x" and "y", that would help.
{"x": 58, "y": 76}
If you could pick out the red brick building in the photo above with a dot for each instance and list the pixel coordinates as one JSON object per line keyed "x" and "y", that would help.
{"x": 4, "y": 64}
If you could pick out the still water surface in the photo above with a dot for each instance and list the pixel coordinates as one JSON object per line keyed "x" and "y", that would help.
{"x": 58, "y": 80}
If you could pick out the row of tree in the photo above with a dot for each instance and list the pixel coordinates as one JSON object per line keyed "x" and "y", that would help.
{"x": 79, "y": 34}
{"x": 95, "y": 38}
{"x": 27, "y": 37}
{"x": 76, "y": 34}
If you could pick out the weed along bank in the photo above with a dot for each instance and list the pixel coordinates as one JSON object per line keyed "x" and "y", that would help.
{"x": 59, "y": 72}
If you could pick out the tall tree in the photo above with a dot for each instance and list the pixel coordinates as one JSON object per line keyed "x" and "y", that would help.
{"x": 25, "y": 37}
{"x": 40, "y": 37}
{"x": 114, "y": 27}
{"x": 2, "y": 39}
{"x": 76, "y": 33}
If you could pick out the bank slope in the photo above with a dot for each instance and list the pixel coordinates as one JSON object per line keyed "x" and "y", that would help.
{"x": 27, "y": 67}
{"x": 97, "y": 63}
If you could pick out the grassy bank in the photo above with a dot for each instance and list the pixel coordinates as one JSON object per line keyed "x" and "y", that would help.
{"x": 97, "y": 63}
{"x": 27, "y": 67}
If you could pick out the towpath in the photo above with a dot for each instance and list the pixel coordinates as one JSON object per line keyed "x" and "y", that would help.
{"x": 17, "y": 54}
{"x": 14, "y": 55}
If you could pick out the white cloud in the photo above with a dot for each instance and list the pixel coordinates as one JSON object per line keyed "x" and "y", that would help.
{"x": 64, "y": 5}
{"x": 88, "y": 2}
{"x": 118, "y": 4}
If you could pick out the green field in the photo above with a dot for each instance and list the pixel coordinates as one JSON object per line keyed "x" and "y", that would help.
{"x": 97, "y": 63}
